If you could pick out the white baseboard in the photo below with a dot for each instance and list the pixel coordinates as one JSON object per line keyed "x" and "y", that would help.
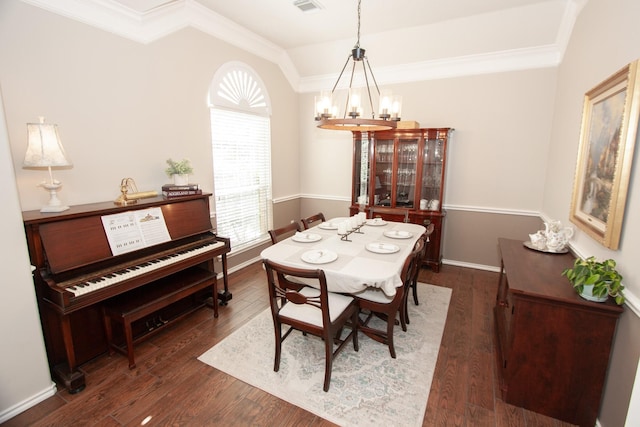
{"x": 471, "y": 265}
{"x": 20, "y": 407}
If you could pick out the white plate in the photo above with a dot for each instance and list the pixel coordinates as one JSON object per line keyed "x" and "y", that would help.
{"x": 337, "y": 220}
{"x": 320, "y": 256}
{"x": 376, "y": 222}
{"x": 382, "y": 248}
{"x": 328, "y": 225}
{"x": 306, "y": 237}
{"x": 398, "y": 234}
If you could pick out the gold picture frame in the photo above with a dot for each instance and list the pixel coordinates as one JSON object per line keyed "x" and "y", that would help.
{"x": 607, "y": 140}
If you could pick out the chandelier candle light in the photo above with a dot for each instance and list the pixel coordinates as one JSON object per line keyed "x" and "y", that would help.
{"x": 389, "y": 111}
{"x": 44, "y": 150}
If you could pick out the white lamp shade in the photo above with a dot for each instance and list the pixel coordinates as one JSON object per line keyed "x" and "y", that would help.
{"x": 355, "y": 101}
{"x": 396, "y": 107}
{"x": 386, "y": 103}
{"x": 324, "y": 107}
{"x": 44, "y": 147}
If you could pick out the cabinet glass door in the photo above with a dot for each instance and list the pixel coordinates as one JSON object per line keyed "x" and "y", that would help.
{"x": 406, "y": 173}
{"x": 384, "y": 172}
{"x": 362, "y": 171}
{"x": 433, "y": 157}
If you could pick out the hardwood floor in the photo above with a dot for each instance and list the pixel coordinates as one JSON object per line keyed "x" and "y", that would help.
{"x": 171, "y": 387}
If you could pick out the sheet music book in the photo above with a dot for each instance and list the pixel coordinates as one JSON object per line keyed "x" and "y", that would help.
{"x": 133, "y": 230}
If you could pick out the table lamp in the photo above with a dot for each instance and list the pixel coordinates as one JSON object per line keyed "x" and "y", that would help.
{"x": 44, "y": 150}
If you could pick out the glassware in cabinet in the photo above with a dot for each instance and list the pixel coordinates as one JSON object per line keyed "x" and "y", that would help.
{"x": 405, "y": 188}
{"x": 384, "y": 161}
{"x": 433, "y": 157}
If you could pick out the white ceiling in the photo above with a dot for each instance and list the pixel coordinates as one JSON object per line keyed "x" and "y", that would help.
{"x": 280, "y": 22}
{"x": 405, "y": 39}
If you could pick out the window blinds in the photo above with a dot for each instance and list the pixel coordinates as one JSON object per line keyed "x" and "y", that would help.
{"x": 242, "y": 175}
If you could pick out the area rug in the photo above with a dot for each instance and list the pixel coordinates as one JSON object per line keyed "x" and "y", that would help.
{"x": 368, "y": 387}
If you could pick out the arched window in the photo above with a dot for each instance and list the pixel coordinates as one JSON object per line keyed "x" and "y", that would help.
{"x": 241, "y": 147}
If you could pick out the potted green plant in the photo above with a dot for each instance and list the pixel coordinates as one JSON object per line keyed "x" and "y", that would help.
{"x": 596, "y": 280}
{"x": 179, "y": 170}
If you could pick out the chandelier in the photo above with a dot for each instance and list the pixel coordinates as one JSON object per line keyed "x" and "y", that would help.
{"x": 326, "y": 112}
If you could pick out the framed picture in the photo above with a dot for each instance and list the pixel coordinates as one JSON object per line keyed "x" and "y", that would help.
{"x": 605, "y": 154}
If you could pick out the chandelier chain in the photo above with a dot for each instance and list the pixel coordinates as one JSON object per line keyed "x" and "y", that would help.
{"x": 358, "y": 39}
{"x": 326, "y": 112}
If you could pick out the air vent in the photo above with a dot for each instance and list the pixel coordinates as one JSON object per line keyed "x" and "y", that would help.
{"x": 307, "y": 6}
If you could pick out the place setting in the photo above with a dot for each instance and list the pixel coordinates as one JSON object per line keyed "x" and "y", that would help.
{"x": 319, "y": 256}
{"x": 382, "y": 248}
{"x": 332, "y": 224}
{"x": 302, "y": 237}
{"x": 398, "y": 234}
{"x": 376, "y": 222}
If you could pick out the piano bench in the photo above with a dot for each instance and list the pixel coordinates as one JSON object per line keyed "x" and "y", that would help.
{"x": 143, "y": 302}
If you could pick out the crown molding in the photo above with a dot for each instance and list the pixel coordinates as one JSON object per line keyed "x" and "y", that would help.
{"x": 173, "y": 16}
{"x": 486, "y": 63}
{"x": 166, "y": 19}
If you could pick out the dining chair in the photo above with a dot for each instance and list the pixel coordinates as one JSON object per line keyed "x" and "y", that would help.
{"x": 310, "y": 310}
{"x": 374, "y": 302}
{"x": 390, "y": 214}
{"x": 278, "y": 234}
{"x": 308, "y": 222}
{"x": 412, "y": 287}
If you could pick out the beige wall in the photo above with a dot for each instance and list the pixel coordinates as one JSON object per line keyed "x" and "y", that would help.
{"x": 470, "y": 238}
{"x": 24, "y": 372}
{"x": 123, "y": 107}
{"x": 330, "y": 208}
{"x": 605, "y": 38}
{"x": 497, "y": 154}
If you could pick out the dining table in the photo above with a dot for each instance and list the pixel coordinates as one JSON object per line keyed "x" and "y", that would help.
{"x": 372, "y": 255}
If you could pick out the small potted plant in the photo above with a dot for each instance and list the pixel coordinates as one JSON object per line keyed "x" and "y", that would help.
{"x": 180, "y": 171}
{"x": 596, "y": 280}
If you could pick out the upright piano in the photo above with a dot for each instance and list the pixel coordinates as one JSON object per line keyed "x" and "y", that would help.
{"x": 76, "y": 272}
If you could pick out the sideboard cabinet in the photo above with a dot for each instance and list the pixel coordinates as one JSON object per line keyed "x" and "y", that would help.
{"x": 399, "y": 175}
{"x": 553, "y": 346}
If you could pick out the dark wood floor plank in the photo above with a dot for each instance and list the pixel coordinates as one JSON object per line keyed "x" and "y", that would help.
{"x": 481, "y": 390}
{"x": 36, "y": 413}
{"x": 508, "y": 415}
{"x": 476, "y": 416}
{"x": 90, "y": 408}
{"x": 172, "y": 387}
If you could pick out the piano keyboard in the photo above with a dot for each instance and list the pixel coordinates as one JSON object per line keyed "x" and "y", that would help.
{"x": 138, "y": 270}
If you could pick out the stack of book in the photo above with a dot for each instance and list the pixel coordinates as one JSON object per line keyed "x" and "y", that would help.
{"x": 170, "y": 191}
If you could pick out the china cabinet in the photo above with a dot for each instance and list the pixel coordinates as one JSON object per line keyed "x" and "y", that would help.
{"x": 399, "y": 175}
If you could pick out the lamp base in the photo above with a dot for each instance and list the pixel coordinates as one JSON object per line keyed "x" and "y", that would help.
{"x": 49, "y": 209}
{"x": 54, "y": 203}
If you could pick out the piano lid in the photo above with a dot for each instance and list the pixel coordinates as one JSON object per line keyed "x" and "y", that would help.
{"x": 74, "y": 241}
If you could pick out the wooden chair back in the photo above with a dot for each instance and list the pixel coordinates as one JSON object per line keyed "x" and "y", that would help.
{"x": 281, "y": 233}
{"x": 309, "y": 221}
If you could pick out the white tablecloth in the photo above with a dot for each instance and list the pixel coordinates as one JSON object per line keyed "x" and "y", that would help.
{"x": 356, "y": 268}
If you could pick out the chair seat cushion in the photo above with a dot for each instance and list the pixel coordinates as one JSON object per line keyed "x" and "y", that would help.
{"x": 313, "y": 315}
{"x": 375, "y": 295}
